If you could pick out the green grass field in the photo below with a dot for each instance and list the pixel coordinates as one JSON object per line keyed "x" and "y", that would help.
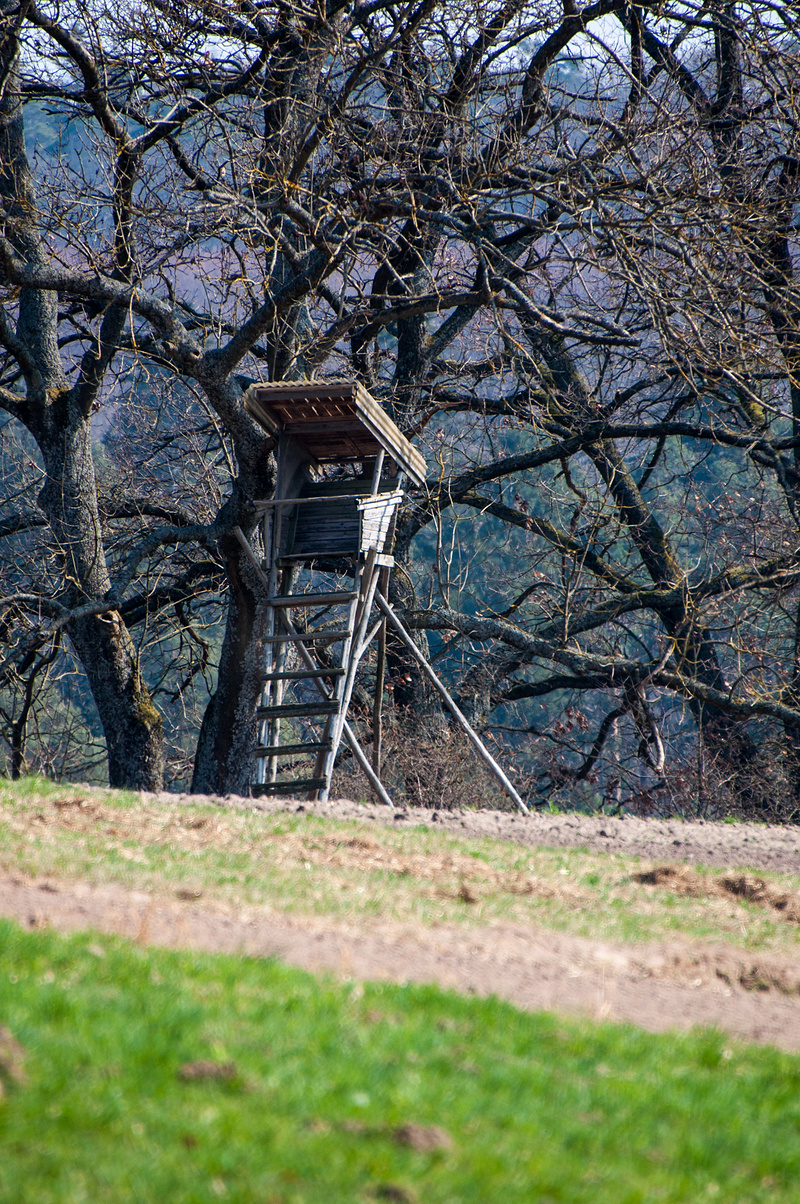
{"x": 336, "y": 1092}
{"x": 324, "y": 1077}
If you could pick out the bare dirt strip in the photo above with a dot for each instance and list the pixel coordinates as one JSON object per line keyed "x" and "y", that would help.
{"x": 678, "y": 985}
{"x": 749, "y": 846}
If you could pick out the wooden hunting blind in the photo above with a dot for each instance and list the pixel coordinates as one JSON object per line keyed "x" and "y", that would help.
{"x": 341, "y": 469}
{"x": 334, "y": 422}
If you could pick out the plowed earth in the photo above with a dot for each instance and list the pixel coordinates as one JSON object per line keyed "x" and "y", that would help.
{"x": 752, "y": 996}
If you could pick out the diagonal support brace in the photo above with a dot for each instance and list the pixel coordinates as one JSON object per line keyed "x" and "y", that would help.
{"x": 450, "y": 703}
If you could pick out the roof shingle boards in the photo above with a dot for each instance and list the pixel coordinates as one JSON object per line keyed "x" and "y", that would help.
{"x": 333, "y": 420}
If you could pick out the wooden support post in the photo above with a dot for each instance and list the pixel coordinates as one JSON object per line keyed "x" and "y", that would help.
{"x": 366, "y": 580}
{"x": 376, "y": 475}
{"x": 377, "y": 704}
{"x": 380, "y": 680}
{"x": 458, "y": 715}
{"x": 380, "y": 668}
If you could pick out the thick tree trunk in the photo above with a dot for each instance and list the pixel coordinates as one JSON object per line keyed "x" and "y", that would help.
{"x": 131, "y": 724}
{"x": 224, "y": 759}
{"x": 59, "y": 417}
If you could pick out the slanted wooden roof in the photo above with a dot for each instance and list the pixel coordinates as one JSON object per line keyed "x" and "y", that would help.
{"x": 333, "y": 421}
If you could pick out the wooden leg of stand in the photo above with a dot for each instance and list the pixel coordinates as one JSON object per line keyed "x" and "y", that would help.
{"x": 377, "y": 708}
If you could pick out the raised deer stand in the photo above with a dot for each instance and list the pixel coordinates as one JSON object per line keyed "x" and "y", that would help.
{"x": 336, "y": 527}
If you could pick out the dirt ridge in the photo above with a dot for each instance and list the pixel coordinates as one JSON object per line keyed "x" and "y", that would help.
{"x": 774, "y": 847}
{"x": 679, "y": 985}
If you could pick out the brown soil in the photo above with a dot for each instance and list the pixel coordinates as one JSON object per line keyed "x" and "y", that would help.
{"x": 12, "y": 1059}
{"x": 677, "y": 985}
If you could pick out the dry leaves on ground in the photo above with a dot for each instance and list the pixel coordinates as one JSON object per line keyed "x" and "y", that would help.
{"x": 204, "y": 1070}
{"x": 423, "y": 1138}
{"x": 12, "y": 1059}
{"x": 749, "y": 887}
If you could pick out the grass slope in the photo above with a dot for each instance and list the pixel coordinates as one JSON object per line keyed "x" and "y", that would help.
{"x": 310, "y": 865}
{"x": 327, "y": 1077}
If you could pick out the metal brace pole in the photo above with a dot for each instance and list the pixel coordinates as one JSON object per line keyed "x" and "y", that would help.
{"x": 458, "y": 715}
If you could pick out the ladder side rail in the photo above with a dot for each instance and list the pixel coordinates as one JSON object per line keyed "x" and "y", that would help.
{"x": 273, "y": 651}
{"x": 380, "y": 667}
{"x": 277, "y": 657}
{"x": 333, "y": 728}
{"x": 380, "y": 631}
{"x": 265, "y": 770}
{"x": 292, "y": 472}
{"x": 267, "y": 524}
{"x": 350, "y": 735}
{"x": 322, "y": 754}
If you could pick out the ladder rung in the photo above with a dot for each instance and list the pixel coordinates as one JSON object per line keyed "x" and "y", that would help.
{"x": 298, "y": 786}
{"x": 305, "y": 637}
{"x": 335, "y": 598}
{"x": 303, "y": 674}
{"x": 288, "y": 750}
{"x": 290, "y": 558}
{"x": 298, "y": 710}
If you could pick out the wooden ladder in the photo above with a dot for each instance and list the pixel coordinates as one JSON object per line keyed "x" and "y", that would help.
{"x": 346, "y": 524}
{"x": 315, "y": 723}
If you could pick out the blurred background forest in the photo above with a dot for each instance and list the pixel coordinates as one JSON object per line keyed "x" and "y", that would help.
{"x": 559, "y": 246}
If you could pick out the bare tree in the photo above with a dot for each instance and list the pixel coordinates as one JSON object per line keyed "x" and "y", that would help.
{"x": 557, "y": 246}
